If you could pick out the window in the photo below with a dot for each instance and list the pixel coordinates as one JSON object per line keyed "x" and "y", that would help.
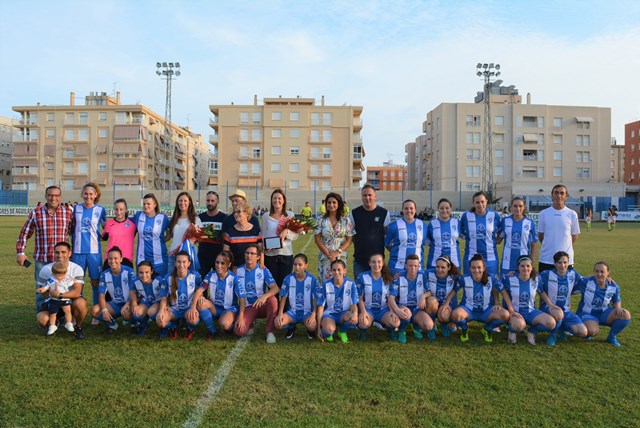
{"x": 294, "y": 150}
{"x": 557, "y": 122}
{"x": 244, "y": 152}
{"x": 315, "y": 152}
{"x": 499, "y": 154}
{"x": 275, "y": 133}
{"x": 276, "y": 150}
{"x": 244, "y": 168}
{"x": 68, "y": 183}
{"x": 557, "y": 172}
{"x": 541, "y": 122}
{"x": 256, "y": 134}
{"x": 294, "y": 133}
{"x": 633, "y": 162}
{"x": 540, "y": 172}
{"x": 50, "y": 166}
{"x": 121, "y": 117}
{"x": 326, "y": 185}
{"x": 315, "y": 135}
{"x": 584, "y": 125}
{"x": 499, "y": 120}
{"x": 633, "y": 133}
{"x": 586, "y": 140}
{"x": 83, "y": 135}
{"x": 244, "y": 117}
{"x": 315, "y": 169}
{"x": 326, "y": 152}
{"x": 327, "y": 118}
{"x": 632, "y": 176}
{"x": 256, "y": 117}
{"x": 557, "y": 139}
{"x": 244, "y": 135}
{"x": 557, "y": 155}
{"x": 583, "y": 157}
{"x": 68, "y": 167}
{"x": 579, "y": 140}
{"x": 473, "y": 120}
{"x": 51, "y": 133}
{"x": 294, "y": 116}
{"x": 473, "y": 154}
{"x": 327, "y": 135}
{"x": 326, "y": 170}
{"x": 83, "y": 117}
{"x": 315, "y": 119}
{"x": 294, "y": 184}
{"x": 102, "y": 116}
{"x": 69, "y": 118}
{"x": 102, "y": 167}
{"x": 473, "y": 137}
{"x": 276, "y": 115}
{"x": 275, "y": 167}
{"x": 498, "y": 138}
{"x": 473, "y": 171}
{"x": 51, "y": 117}
{"x": 294, "y": 167}
{"x": 83, "y": 167}
{"x": 69, "y": 135}
{"x": 473, "y": 186}
{"x": 255, "y": 152}
{"x": 499, "y": 170}
{"x": 103, "y": 133}
{"x": 583, "y": 173}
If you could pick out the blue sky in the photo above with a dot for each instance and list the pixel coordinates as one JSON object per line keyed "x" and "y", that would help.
{"x": 398, "y": 59}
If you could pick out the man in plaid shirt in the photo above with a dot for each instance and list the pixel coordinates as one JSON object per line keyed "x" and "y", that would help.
{"x": 50, "y": 222}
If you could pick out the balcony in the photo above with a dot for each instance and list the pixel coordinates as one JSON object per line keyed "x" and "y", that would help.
{"x": 317, "y": 140}
{"x": 357, "y": 124}
{"x": 213, "y": 138}
{"x": 357, "y": 175}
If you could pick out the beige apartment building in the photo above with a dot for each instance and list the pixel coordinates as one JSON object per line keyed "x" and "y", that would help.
{"x": 114, "y": 144}
{"x": 534, "y": 147}
{"x": 291, "y": 143}
{"x": 8, "y": 132}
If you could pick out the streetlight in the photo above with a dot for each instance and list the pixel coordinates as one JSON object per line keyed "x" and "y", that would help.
{"x": 487, "y": 71}
{"x": 168, "y": 71}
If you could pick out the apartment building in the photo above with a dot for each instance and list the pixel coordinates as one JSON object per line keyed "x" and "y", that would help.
{"x": 387, "y": 177}
{"x": 632, "y": 153}
{"x": 534, "y": 147}
{"x": 114, "y": 144}
{"x": 291, "y": 143}
{"x": 8, "y": 132}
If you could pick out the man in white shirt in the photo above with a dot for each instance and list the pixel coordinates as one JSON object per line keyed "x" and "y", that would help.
{"x": 62, "y": 253}
{"x": 558, "y": 229}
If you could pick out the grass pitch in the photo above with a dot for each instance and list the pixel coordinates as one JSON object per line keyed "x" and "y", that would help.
{"x": 125, "y": 381}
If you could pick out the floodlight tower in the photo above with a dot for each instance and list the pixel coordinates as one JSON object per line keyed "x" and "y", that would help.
{"x": 168, "y": 71}
{"x": 487, "y": 71}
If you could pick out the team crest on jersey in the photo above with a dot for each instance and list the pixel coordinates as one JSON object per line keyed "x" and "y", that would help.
{"x": 515, "y": 240}
{"x": 299, "y": 299}
{"x": 608, "y": 296}
{"x": 219, "y": 294}
{"x": 250, "y": 286}
{"x": 376, "y": 219}
{"x": 563, "y": 289}
{"x": 596, "y": 302}
{"x": 85, "y": 225}
{"x": 117, "y": 292}
{"x": 478, "y": 298}
{"x": 440, "y": 294}
{"x": 158, "y": 221}
{"x": 377, "y": 297}
{"x": 524, "y": 298}
{"x": 147, "y": 233}
{"x": 411, "y": 297}
{"x": 258, "y": 276}
{"x": 182, "y": 299}
{"x": 347, "y": 292}
{"x": 526, "y": 227}
{"x": 127, "y": 224}
{"x": 307, "y": 287}
{"x": 412, "y": 238}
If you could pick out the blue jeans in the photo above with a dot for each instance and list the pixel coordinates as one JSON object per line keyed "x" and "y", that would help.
{"x": 36, "y": 274}
{"x": 358, "y": 269}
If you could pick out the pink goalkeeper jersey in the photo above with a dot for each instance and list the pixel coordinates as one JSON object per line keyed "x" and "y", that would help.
{"x": 121, "y": 235}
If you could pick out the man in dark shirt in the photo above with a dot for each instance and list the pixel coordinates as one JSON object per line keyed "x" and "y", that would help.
{"x": 370, "y": 222}
{"x": 208, "y": 249}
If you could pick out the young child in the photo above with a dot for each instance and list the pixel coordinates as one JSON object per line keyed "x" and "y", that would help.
{"x": 299, "y": 288}
{"x": 59, "y": 280}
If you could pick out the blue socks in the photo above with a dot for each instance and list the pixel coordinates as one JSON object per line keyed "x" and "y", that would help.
{"x": 617, "y": 326}
{"x": 95, "y": 296}
{"x": 463, "y": 325}
{"x": 493, "y": 324}
{"x": 207, "y": 319}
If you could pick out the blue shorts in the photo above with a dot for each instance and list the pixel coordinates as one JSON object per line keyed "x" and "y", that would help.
{"x": 480, "y": 316}
{"x": 298, "y": 318}
{"x": 336, "y": 317}
{"x": 600, "y": 319}
{"x": 179, "y": 313}
{"x": 147, "y": 304}
{"x": 377, "y": 315}
{"x": 117, "y": 308}
{"x": 161, "y": 269}
{"x": 570, "y": 319}
{"x": 530, "y": 316}
{"x": 91, "y": 262}
{"x": 220, "y": 311}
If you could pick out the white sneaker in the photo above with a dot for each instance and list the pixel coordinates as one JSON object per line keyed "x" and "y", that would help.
{"x": 51, "y": 330}
{"x": 69, "y": 327}
{"x": 512, "y": 337}
{"x": 531, "y": 338}
{"x": 95, "y": 322}
{"x": 379, "y": 326}
{"x": 271, "y": 338}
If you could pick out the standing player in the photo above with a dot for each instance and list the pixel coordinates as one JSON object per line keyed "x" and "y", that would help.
{"x": 519, "y": 234}
{"x": 479, "y": 300}
{"x": 373, "y": 292}
{"x": 556, "y": 287}
{"x": 337, "y": 304}
{"x": 442, "y": 235}
{"x": 600, "y": 304}
{"x": 519, "y": 293}
{"x": 407, "y": 235}
{"x": 120, "y": 232}
{"x": 298, "y": 288}
{"x": 88, "y": 219}
{"x": 480, "y": 231}
{"x": 152, "y": 228}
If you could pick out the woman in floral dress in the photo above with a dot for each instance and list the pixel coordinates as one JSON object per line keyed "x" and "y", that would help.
{"x": 333, "y": 235}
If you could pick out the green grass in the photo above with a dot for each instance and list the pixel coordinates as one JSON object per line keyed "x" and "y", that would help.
{"x": 126, "y": 381}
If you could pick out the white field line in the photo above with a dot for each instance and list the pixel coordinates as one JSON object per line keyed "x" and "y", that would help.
{"x": 216, "y": 384}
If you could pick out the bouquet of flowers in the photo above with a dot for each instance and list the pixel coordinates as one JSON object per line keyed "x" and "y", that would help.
{"x": 295, "y": 225}
{"x": 212, "y": 232}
